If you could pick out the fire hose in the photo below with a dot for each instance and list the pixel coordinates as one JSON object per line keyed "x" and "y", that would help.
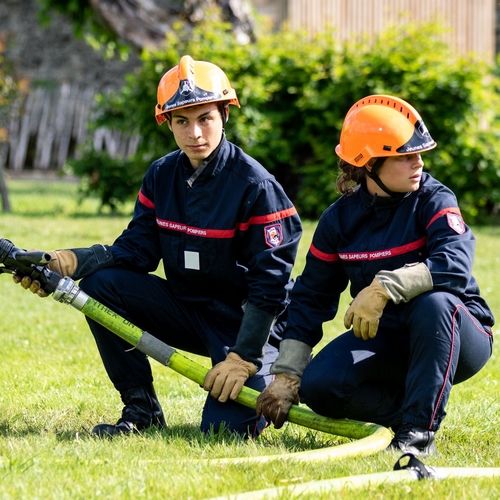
{"x": 369, "y": 438}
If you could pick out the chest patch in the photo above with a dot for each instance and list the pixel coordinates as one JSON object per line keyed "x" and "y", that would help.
{"x": 273, "y": 235}
{"x": 192, "y": 260}
{"x": 456, "y": 222}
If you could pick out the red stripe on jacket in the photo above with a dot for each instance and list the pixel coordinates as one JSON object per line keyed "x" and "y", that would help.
{"x": 370, "y": 255}
{"x": 216, "y": 233}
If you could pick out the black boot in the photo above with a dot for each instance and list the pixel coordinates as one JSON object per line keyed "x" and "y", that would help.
{"x": 142, "y": 410}
{"x": 414, "y": 440}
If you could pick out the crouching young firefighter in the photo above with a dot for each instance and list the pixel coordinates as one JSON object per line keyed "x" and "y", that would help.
{"x": 227, "y": 235}
{"x": 417, "y": 323}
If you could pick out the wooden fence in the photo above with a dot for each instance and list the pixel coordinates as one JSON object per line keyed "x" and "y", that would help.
{"x": 48, "y": 127}
{"x": 51, "y": 124}
{"x": 471, "y": 22}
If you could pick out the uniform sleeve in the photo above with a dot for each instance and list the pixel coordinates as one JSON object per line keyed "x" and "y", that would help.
{"x": 138, "y": 247}
{"x": 316, "y": 294}
{"x": 450, "y": 242}
{"x": 270, "y": 231}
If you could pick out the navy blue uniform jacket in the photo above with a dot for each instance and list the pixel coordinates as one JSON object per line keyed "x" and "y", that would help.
{"x": 360, "y": 235}
{"x": 231, "y": 237}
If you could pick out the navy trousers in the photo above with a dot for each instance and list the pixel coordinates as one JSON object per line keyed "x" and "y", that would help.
{"x": 404, "y": 374}
{"x": 202, "y": 328}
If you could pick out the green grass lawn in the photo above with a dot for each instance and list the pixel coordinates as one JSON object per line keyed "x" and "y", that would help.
{"x": 53, "y": 390}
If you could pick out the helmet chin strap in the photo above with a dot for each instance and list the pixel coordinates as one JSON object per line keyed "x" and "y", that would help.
{"x": 224, "y": 112}
{"x": 373, "y": 175}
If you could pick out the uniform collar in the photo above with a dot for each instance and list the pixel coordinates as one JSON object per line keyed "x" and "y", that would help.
{"x": 215, "y": 161}
{"x": 378, "y": 201}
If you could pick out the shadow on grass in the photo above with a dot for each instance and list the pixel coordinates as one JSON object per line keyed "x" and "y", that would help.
{"x": 290, "y": 439}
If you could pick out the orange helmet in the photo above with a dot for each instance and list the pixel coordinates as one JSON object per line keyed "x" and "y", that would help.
{"x": 191, "y": 83}
{"x": 382, "y": 125}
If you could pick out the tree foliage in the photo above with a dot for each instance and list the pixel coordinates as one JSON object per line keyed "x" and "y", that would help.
{"x": 294, "y": 102}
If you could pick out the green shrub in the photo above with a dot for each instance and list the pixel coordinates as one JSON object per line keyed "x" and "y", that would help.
{"x": 113, "y": 180}
{"x": 296, "y": 89}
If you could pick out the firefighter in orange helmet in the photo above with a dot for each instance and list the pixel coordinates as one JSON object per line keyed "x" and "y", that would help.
{"x": 417, "y": 324}
{"x": 192, "y": 83}
{"x": 227, "y": 235}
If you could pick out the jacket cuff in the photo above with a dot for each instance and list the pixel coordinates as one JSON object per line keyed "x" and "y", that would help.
{"x": 91, "y": 260}
{"x": 293, "y": 358}
{"x": 253, "y": 334}
{"x": 407, "y": 282}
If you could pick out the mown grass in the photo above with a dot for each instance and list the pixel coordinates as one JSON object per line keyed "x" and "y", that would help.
{"x": 53, "y": 390}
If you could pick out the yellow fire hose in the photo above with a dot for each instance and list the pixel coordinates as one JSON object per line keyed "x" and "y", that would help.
{"x": 369, "y": 438}
{"x": 327, "y": 486}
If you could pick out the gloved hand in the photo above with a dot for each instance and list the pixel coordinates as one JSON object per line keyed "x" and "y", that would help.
{"x": 76, "y": 263}
{"x": 366, "y": 310}
{"x": 33, "y": 286}
{"x": 62, "y": 262}
{"x": 277, "y": 398}
{"x": 227, "y": 378}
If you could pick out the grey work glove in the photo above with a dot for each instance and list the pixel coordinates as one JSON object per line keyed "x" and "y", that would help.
{"x": 253, "y": 334}
{"x": 407, "y": 282}
{"x": 226, "y": 379}
{"x": 276, "y": 399}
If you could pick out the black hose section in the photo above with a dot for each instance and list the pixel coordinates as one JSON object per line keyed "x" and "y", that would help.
{"x": 18, "y": 261}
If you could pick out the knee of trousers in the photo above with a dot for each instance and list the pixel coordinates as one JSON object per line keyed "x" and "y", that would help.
{"x": 233, "y": 417}
{"x": 432, "y": 310}
{"x": 435, "y": 300}
{"x": 103, "y": 285}
{"x": 319, "y": 388}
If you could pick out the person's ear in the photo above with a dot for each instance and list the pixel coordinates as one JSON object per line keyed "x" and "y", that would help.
{"x": 370, "y": 163}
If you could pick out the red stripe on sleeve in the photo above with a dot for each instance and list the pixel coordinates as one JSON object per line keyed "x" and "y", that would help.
{"x": 216, "y": 233}
{"x": 195, "y": 231}
{"x": 454, "y": 210}
{"x": 327, "y": 257}
{"x": 145, "y": 201}
{"x": 266, "y": 219}
{"x": 386, "y": 253}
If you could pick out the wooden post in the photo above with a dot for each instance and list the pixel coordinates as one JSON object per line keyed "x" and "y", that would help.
{"x": 4, "y": 192}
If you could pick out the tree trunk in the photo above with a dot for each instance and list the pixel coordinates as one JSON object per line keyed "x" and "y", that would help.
{"x": 4, "y": 192}
{"x": 144, "y": 23}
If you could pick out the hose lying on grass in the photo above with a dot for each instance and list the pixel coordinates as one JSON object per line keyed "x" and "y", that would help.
{"x": 328, "y": 486}
{"x": 369, "y": 438}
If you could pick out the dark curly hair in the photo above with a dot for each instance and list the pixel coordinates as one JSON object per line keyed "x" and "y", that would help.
{"x": 349, "y": 177}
